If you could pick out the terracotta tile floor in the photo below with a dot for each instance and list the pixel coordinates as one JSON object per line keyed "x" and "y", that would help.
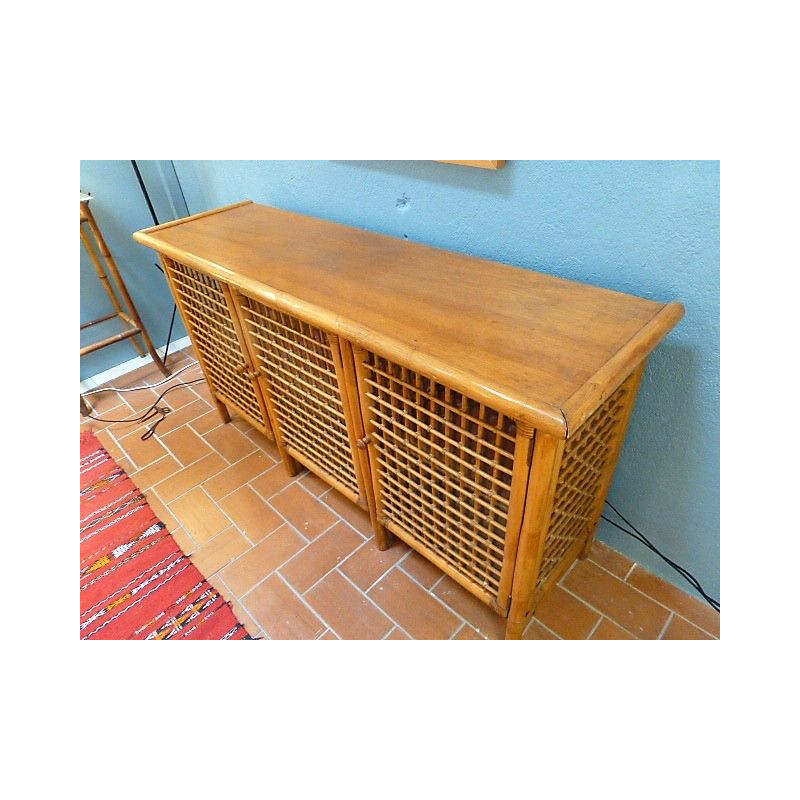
{"x": 297, "y": 560}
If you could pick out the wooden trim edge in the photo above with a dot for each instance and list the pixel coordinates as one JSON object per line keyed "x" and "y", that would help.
{"x": 141, "y": 236}
{"x": 610, "y": 376}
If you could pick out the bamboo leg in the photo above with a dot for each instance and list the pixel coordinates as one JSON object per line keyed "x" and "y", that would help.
{"x": 547, "y": 452}
{"x": 515, "y": 629}
{"x": 634, "y": 381}
{"x": 115, "y": 273}
{"x": 383, "y": 538}
{"x": 222, "y": 410}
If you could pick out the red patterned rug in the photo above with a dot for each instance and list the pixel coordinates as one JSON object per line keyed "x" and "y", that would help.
{"x": 136, "y": 583}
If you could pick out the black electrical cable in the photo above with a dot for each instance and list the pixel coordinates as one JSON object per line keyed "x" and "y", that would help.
{"x": 152, "y": 411}
{"x": 175, "y": 307}
{"x": 677, "y": 567}
{"x": 155, "y": 220}
{"x": 169, "y": 333}
{"x": 645, "y": 541}
{"x": 683, "y": 572}
{"x": 180, "y": 186}
{"x": 640, "y": 537}
{"x": 144, "y": 192}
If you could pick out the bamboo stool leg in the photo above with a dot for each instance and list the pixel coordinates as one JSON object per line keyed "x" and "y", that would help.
{"x": 104, "y": 282}
{"x": 132, "y": 317}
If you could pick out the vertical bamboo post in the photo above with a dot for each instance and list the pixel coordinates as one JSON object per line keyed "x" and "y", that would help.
{"x": 104, "y": 282}
{"x": 633, "y": 382}
{"x": 352, "y": 433}
{"x": 350, "y": 393}
{"x": 250, "y": 370}
{"x": 115, "y": 273}
{"x": 263, "y": 389}
{"x": 383, "y": 539}
{"x": 221, "y": 407}
{"x": 547, "y": 453}
{"x": 523, "y": 449}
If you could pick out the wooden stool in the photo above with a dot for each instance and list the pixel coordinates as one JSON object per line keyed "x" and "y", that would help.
{"x": 130, "y": 317}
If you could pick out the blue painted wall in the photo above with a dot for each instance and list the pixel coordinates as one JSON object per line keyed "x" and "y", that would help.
{"x": 649, "y": 228}
{"x": 120, "y": 209}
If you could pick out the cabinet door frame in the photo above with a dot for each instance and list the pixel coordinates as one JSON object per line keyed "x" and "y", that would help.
{"x": 273, "y": 381}
{"x": 499, "y": 600}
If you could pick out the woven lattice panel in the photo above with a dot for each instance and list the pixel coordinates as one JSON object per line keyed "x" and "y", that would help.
{"x": 580, "y": 479}
{"x": 297, "y": 361}
{"x": 214, "y": 336}
{"x": 445, "y": 463}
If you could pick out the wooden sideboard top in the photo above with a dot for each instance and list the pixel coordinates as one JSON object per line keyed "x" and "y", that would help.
{"x": 545, "y": 349}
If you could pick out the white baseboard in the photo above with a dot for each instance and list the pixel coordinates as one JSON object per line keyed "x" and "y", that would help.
{"x": 129, "y": 366}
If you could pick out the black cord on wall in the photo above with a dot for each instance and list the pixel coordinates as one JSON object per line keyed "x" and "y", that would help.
{"x": 156, "y": 222}
{"x": 640, "y": 537}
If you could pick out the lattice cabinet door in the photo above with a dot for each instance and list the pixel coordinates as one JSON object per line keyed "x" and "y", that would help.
{"x": 449, "y": 473}
{"x": 304, "y": 378}
{"x": 209, "y": 314}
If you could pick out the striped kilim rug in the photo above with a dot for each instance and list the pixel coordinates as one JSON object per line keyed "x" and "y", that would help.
{"x": 136, "y": 583}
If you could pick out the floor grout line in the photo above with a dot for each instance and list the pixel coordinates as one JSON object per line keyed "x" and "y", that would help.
{"x": 546, "y": 627}
{"x": 241, "y": 485}
{"x": 381, "y": 610}
{"x": 458, "y": 630}
{"x": 226, "y": 515}
{"x": 261, "y": 580}
{"x": 666, "y": 625}
{"x": 255, "y": 622}
{"x": 438, "y": 599}
{"x": 384, "y": 573}
{"x": 595, "y": 626}
{"x": 595, "y": 609}
{"x": 304, "y": 601}
{"x": 334, "y": 567}
{"x": 643, "y": 594}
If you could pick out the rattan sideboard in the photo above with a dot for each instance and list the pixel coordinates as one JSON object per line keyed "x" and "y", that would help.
{"x": 476, "y": 410}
